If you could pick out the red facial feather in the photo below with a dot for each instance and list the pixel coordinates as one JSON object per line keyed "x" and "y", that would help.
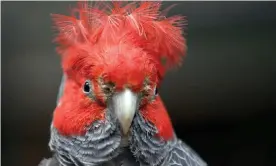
{"x": 157, "y": 114}
{"x": 122, "y": 44}
{"x": 75, "y": 111}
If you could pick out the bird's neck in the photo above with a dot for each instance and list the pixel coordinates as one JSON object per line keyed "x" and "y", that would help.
{"x": 100, "y": 144}
{"x": 147, "y": 148}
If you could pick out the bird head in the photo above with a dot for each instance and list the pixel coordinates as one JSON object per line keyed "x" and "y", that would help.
{"x": 113, "y": 56}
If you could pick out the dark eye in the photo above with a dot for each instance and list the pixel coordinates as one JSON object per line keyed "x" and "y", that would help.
{"x": 87, "y": 87}
{"x": 155, "y": 91}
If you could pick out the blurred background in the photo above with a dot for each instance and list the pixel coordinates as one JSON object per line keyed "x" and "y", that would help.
{"x": 222, "y": 101}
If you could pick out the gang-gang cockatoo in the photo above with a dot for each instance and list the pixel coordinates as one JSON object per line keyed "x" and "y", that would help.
{"x": 114, "y": 56}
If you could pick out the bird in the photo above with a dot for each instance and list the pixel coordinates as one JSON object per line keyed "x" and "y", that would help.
{"x": 114, "y": 56}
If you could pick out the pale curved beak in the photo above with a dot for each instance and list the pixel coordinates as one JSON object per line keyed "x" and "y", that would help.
{"x": 125, "y": 105}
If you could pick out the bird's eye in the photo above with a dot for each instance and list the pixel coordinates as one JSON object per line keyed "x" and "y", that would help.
{"x": 87, "y": 87}
{"x": 155, "y": 91}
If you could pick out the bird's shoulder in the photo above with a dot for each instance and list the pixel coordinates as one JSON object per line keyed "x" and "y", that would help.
{"x": 183, "y": 155}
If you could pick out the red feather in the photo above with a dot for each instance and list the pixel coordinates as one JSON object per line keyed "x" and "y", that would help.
{"x": 160, "y": 36}
{"x": 157, "y": 114}
{"x": 123, "y": 43}
{"x": 75, "y": 112}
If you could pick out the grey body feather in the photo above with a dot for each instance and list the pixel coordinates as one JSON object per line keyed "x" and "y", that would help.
{"x": 150, "y": 150}
{"x": 103, "y": 145}
{"x": 183, "y": 155}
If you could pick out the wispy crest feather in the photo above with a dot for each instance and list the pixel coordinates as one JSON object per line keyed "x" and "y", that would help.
{"x": 160, "y": 36}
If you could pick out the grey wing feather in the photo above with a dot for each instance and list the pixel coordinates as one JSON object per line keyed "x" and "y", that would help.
{"x": 49, "y": 162}
{"x": 61, "y": 87}
{"x": 183, "y": 155}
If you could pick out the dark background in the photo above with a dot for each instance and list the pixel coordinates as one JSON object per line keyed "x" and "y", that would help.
{"x": 222, "y": 101}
